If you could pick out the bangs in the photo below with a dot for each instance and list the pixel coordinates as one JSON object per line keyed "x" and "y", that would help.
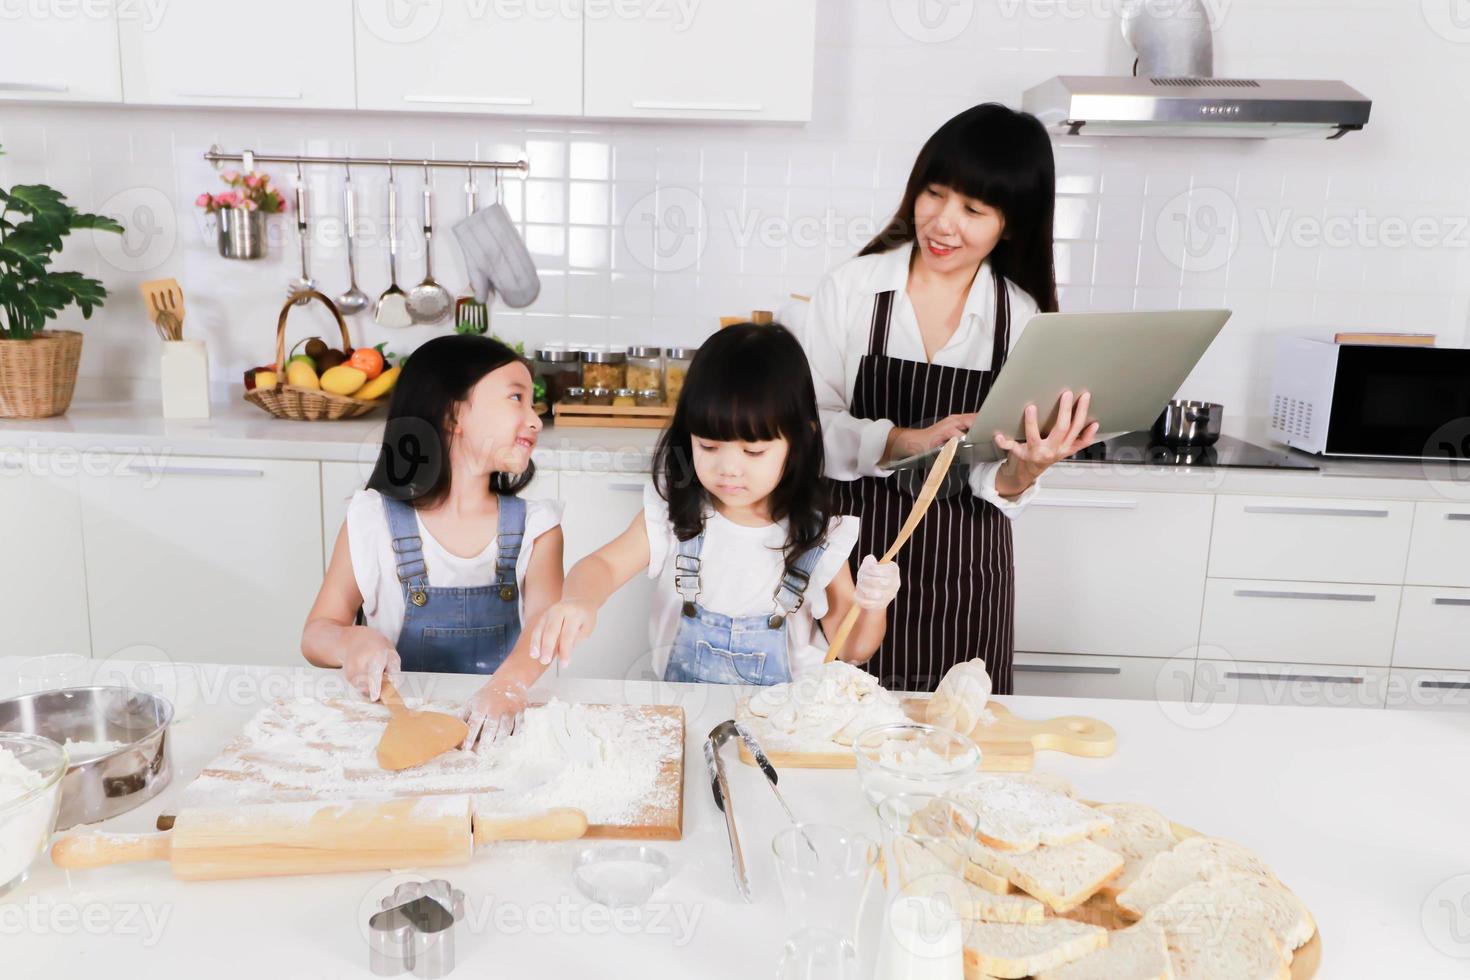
{"x": 987, "y": 153}
{"x": 726, "y": 407}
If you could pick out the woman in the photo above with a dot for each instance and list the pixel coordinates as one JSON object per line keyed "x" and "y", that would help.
{"x": 905, "y": 341}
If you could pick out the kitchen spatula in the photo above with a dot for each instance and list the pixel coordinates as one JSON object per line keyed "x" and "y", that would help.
{"x": 926, "y": 496}
{"x": 414, "y": 737}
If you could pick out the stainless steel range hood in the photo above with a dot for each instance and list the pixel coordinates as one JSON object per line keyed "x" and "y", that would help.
{"x": 1173, "y": 91}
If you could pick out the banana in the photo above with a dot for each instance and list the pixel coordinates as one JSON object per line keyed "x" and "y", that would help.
{"x": 379, "y": 386}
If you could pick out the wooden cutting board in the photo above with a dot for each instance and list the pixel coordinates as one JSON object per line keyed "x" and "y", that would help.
{"x": 1008, "y": 744}
{"x": 301, "y": 751}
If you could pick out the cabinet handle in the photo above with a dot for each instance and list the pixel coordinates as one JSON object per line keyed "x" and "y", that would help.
{"x": 1063, "y": 669}
{"x": 471, "y": 99}
{"x": 1315, "y": 511}
{"x": 192, "y": 471}
{"x": 1446, "y": 685}
{"x": 626, "y": 487}
{"x": 1331, "y": 596}
{"x": 275, "y": 96}
{"x": 1457, "y": 517}
{"x": 1441, "y": 600}
{"x": 699, "y": 106}
{"x": 1322, "y": 678}
{"x": 32, "y": 87}
{"x": 1076, "y": 504}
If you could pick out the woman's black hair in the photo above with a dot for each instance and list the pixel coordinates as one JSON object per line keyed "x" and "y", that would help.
{"x": 748, "y": 383}
{"x": 413, "y": 462}
{"x": 1002, "y": 157}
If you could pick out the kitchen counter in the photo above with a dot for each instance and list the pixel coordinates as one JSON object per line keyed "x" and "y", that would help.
{"x": 1360, "y": 812}
{"x": 240, "y": 430}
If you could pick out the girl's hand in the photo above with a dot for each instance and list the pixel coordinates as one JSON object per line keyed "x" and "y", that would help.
{"x": 560, "y": 628}
{"x": 1025, "y": 461}
{"x": 877, "y": 583}
{"x": 903, "y": 443}
{"x": 367, "y": 657}
{"x": 494, "y": 710}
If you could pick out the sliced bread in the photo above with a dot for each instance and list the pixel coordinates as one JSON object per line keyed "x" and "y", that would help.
{"x": 1193, "y": 859}
{"x": 921, "y": 873}
{"x": 1239, "y": 894}
{"x": 1136, "y": 953}
{"x": 1063, "y": 876}
{"x": 1011, "y": 951}
{"x": 1235, "y": 948}
{"x": 1138, "y": 834}
{"x": 1021, "y": 815}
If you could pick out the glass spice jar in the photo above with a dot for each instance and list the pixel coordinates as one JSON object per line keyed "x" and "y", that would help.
{"x": 599, "y": 396}
{"x": 676, "y": 366}
{"x": 604, "y": 369}
{"x": 575, "y": 395}
{"x": 650, "y": 398}
{"x": 560, "y": 369}
{"x": 645, "y": 368}
{"x": 624, "y": 398}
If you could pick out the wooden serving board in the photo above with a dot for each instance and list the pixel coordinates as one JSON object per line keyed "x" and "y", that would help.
{"x": 1008, "y": 744}
{"x": 312, "y": 751}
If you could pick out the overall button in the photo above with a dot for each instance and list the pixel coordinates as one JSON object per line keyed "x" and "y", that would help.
{"x": 418, "y": 597}
{"x": 507, "y": 592}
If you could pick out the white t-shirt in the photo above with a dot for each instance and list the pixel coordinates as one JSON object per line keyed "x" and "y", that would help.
{"x": 739, "y": 570}
{"x": 375, "y": 568}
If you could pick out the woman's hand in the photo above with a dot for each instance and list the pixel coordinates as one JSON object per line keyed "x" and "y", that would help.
{"x": 366, "y": 658}
{"x": 560, "y": 628}
{"x": 494, "y": 710}
{"x": 903, "y": 443}
{"x": 877, "y": 584}
{"x": 1025, "y": 461}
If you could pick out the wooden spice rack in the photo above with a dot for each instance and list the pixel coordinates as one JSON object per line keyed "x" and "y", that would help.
{"x": 613, "y": 416}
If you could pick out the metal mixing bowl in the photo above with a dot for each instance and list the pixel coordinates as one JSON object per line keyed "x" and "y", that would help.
{"x": 105, "y": 785}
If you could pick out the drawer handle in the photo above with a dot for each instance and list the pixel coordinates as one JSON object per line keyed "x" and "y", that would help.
{"x": 471, "y": 99}
{"x": 1331, "y": 596}
{"x": 1062, "y": 669}
{"x": 1315, "y": 511}
{"x": 1087, "y": 504}
{"x": 626, "y": 487}
{"x": 274, "y": 96}
{"x": 699, "y": 106}
{"x": 31, "y": 87}
{"x": 1446, "y": 685}
{"x": 1321, "y": 678}
{"x": 192, "y": 471}
{"x": 1457, "y": 517}
{"x": 1441, "y": 600}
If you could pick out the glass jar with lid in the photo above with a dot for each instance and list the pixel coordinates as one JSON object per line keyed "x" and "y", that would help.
{"x": 650, "y": 398}
{"x": 604, "y": 369}
{"x": 624, "y": 398}
{"x": 645, "y": 368}
{"x": 676, "y": 366}
{"x": 575, "y": 395}
{"x": 560, "y": 369}
{"x": 599, "y": 396}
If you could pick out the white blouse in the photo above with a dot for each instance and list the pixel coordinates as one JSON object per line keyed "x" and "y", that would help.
{"x": 373, "y": 564}
{"x": 836, "y": 339}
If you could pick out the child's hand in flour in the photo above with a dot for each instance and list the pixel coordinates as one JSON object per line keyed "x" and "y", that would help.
{"x": 560, "y": 628}
{"x": 369, "y": 656}
{"x": 494, "y": 710}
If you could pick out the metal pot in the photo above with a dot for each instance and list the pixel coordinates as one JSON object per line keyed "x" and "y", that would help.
{"x": 105, "y": 785}
{"x": 1185, "y": 423}
{"x": 241, "y": 233}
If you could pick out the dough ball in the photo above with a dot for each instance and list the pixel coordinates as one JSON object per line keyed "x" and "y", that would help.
{"x": 959, "y": 702}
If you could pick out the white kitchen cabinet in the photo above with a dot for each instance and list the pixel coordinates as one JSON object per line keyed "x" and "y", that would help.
{"x": 1429, "y": 690}
{"x": 1093, "y": 676}
{"x": 1439, "y": 550}
{"x": 43, "y": 587}
{"x": 1307, "y": 622}
{"x": 62, "y": 53}
{"x": 1128, "y": 569}
{"x": 1325, "y": 540}
{"x": 1433, "y": 629}
{"x": 467, "y": 57}
{"x": 718, "y": 59}
{"x": 280, "y": 54}
{"x": 1218, "y": 682}
{"x": 339, "y": 482}
{"x": 598, "y": 508}
{"x": 215, "y": 560}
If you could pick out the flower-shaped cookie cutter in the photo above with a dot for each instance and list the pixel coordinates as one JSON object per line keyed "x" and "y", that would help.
{"x": 414, "y": 932}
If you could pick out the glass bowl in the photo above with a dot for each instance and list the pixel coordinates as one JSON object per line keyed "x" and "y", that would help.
{"x": 27, "y": 820}
{"x": 620, "y": 875}
{"x": 913, "y": 758}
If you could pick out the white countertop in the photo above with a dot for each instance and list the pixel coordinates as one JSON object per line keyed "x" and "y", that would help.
{"x": 1362, "y": 813}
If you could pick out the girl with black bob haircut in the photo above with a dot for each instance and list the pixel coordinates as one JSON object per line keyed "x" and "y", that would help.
{"x": 735, "y": 529}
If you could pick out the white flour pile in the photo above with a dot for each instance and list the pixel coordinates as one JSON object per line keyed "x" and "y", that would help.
{"x": 824, "y": 710}
{"x": 16, "y": 778}
{"x": 25, "y": 831}
{"x": 305, "y": 750}
{"x": 81, "y": 750}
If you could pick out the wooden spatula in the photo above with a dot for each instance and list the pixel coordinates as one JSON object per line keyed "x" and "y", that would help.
{"x": 414, "y": 737}
{"x": 164, "y": 296}
{"x": 927, "y": 493}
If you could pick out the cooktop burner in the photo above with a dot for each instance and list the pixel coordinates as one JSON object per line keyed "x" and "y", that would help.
{"x": 1138, "y": 447}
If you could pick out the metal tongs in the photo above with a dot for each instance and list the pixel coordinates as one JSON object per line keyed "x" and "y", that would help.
{"x": 720, "y": 785}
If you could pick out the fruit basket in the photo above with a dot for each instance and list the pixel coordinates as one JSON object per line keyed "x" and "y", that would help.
{"x": 296, "y": 392}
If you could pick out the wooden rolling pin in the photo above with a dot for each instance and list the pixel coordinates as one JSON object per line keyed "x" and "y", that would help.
{"x": 297, "y": 839}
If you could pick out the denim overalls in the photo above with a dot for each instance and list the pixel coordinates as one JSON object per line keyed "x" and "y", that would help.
{"x": 456, "y": 631}
{"x": 719, "y": 649}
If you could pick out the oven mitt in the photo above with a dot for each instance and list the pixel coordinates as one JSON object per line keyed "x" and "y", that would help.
{"x": 496, "y": 257}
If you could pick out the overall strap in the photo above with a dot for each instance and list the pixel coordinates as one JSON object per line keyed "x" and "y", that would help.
{"x": 791, "y": 593}
{"x": 1002, "y": 324}
{"x": 408, "y": 549}
{"x": 878, "y": 328}
{"x": 509, "y": 532}
{"x": 686, "y": 571}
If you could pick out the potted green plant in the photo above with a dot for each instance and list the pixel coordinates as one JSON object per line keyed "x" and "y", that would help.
{"x": 38, "y": 367}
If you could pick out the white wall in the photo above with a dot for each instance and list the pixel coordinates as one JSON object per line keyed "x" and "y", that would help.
{"x": 777, "y": 205}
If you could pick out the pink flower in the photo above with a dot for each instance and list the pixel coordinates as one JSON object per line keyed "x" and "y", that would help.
{"x": 230, "y": 176}
{"x": 251, "y": 180}
{"x": 203, "y": 200}
{"x": 280, "y": 205}
{"x": 228, "y": 199}
{"x": 250, "y": 205}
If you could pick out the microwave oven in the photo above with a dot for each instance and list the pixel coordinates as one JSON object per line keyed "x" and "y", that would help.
{"x": 1371, "y": 400}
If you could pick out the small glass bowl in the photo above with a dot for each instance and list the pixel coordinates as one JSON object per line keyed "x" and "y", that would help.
{"x": 27, "y": 822}
{"x": 620, "y": 875}
{"x": 913, "y": 758}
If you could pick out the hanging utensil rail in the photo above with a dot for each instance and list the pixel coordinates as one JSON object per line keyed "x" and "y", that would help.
{"x": 249, "y": 158}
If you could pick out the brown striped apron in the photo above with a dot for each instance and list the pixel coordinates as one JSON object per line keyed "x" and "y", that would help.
{"x": 958, "y": 596}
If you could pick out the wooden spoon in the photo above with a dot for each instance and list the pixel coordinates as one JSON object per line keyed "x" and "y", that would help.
{"x": 927, "y": 493}
{"x": 414, "y": 737}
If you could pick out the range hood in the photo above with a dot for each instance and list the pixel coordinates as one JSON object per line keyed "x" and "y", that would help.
{"x": 1173, "y": 91}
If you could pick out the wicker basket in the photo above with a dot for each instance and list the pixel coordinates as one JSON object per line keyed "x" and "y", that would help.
{"x": 307, "y": 404}
{"x": 38, "y": 376}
